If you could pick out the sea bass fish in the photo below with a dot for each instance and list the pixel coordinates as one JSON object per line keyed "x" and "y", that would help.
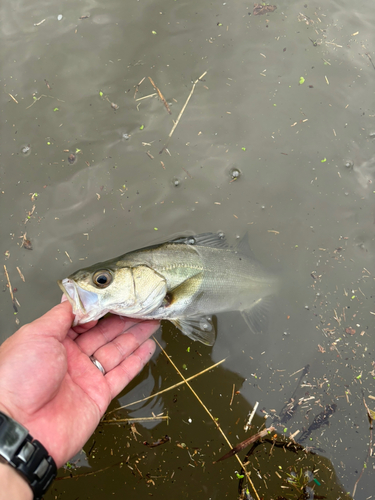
{"x": 184, "y": 281}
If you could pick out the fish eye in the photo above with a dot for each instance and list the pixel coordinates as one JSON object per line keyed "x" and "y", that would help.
{"x": 102, "y": 279}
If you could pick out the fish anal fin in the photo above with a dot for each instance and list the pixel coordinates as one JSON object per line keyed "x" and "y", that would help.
{"x": 257, "y": 317}
{"x": 199, "y": 328}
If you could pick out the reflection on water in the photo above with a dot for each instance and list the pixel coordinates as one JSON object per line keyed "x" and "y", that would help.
{"x": 285, "y": 113}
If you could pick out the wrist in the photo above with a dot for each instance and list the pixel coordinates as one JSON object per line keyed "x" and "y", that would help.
{"x": 28, "y": 457}
{"x": 13, "y": 485}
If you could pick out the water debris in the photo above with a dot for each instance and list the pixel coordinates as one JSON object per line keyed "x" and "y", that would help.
{"x": 235, "y": 174}
{"x": 137, "y": 86}
{"x": 321, "y": 419}
{"x": 14, "y": 99}
{"x": 163, "y": 440}
{"x": 36, "y": 99}
{"x": 72, "y": 158}
{"x": 160, "y": 95}
{"x": 292, "y": 405}
{"x": 368, "y": 55}
{"x": 66, "y": 253}
{"x": 14, "y": 300}
{"x": 260, "y": 9}
{"x": 168, "y": 388}
{"x": 244, "y": 444}
{"x": 20, "y": 273}
{"x": 136, "y": 419}
{"x": 214, "y": 420}
{"x": 26, "y": 150}
{"x": 370, "y": 416}
{"x": 40, "y": 22}
{"x": 26, "y": 243}
{"x": 251, "y": 416}
{"x": 183, "y": 109}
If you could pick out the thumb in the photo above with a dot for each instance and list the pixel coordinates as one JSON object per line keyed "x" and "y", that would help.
{"x": 55, "y": 323}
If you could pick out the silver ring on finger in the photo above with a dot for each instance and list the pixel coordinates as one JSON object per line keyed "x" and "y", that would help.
{"x": 97, "y": 363}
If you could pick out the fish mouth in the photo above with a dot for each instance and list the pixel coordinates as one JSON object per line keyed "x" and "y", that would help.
{"x": 70, "y": 290}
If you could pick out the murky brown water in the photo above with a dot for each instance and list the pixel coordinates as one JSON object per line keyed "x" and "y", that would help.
{"x": 305, "y": 149}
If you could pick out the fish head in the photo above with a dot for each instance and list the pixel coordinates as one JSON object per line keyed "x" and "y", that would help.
{"x": 127, "y": 291}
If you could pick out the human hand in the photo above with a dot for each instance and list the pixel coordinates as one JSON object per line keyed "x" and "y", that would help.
{"x": 49, "y": 384}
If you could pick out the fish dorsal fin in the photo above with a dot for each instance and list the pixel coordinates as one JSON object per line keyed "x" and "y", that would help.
{"x": 244, "y": 246}
{"x": 200, "y": 328}
{"x": 213, "y": 240}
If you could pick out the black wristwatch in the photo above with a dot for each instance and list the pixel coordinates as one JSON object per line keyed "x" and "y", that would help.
{"x": 27, "y": 456}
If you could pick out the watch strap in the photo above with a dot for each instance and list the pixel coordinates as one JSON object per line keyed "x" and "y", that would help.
{"x": 28, "y": 456}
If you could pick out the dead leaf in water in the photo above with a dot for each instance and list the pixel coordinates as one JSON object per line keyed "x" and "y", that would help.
{"x": 260, "y": 9}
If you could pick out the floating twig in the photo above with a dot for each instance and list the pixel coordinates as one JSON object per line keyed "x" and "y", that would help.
{"x": 66, "y": 253}
{"x": 160, "y": 95}
{"x": 251, "y": 416}
{"x": 14, "y": 99}
{"x": 246, "y": 443}
{"x": 146, "y": 96}
{"x": 231, "y": 399}
{"x": 21, "y": 275}
{"x": 136, "y": 419}
{"x": 10, "y": 289}
{"x": 9, "y": 284}
{"x": 182, "y": 110}
{"x": 137, "y": 86}
{"x": 168, "y": 388}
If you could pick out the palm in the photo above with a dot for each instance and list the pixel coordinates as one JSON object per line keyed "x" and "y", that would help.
{"x": 50, "y": 385}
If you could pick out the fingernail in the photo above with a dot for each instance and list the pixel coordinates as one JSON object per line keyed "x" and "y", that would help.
{"x": 64, "y": 298}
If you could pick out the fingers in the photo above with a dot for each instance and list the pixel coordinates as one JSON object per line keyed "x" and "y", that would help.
{"x": 119, "y": 377}
{"x": 85, "y": 327}
{"x": 80, "y": 328}
{"x": 56, "y": 322}
{"x": 121, "y": 347}
{"x": 105, "y": 331}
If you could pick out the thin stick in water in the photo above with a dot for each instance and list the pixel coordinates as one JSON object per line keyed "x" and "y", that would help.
{"x": 168, "y": 388}
{"x": 210, "y": 415}
{"x": 182, "y": 111}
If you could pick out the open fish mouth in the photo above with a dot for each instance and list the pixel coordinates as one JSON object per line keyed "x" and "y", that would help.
{"x": 70, "y": 291}
{"x": 84, "y": 303}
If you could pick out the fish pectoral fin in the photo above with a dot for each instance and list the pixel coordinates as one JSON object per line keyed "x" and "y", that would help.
{"x": 187, "y": 288}
{"x": 200, "y": 328}
{"x": 257, "y": 317}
